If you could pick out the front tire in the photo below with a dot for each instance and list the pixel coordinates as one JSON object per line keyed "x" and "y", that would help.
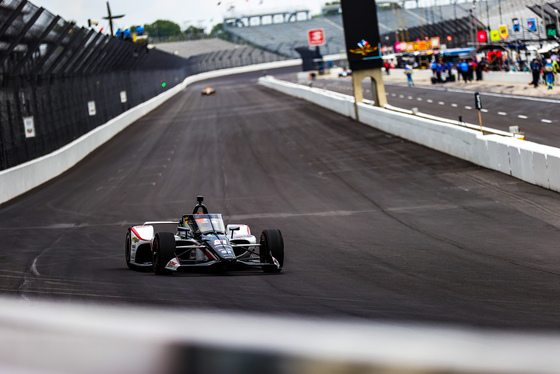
{"x": 163, "y": 252}
{"x": 272, "y": 247}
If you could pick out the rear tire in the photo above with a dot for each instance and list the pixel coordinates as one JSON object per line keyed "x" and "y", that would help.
{"x": 272, "y": 245}
{"x": 163, "y": 252}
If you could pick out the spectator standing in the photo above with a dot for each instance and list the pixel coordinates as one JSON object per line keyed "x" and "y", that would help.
{"x": 463, "y": 67}
{"x": 470, "y": 67}
{"x": 451, "y": 77}
{"x": 387, "y": 67}
{"x": 548, "y": 70}
{"x": 479, "y": 68}
{"x": 433, "y": 67}
{"x": 556, "y": 68}
{"x": 444, "y": 72}
{"x": 535, "y": 67}
{"x": 439, "y": 68}
{"x": 408, "y": 71}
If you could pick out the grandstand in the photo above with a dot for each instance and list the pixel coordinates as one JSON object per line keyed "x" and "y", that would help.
{"x": 229, "y": 58}
{"x": 285, "y": 37}
{"x": 211, "y": 54}
{"x": 190, "y": 48}
{"x": 457, "y": 20}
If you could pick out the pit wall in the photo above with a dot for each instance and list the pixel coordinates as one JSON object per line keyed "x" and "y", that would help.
{"x": 531, "y": 162}
{"x": 490, "y": 76}
{"x": 22, "y": 178}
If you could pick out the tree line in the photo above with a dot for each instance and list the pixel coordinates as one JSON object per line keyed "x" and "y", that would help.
{"x": 165, "y": 30}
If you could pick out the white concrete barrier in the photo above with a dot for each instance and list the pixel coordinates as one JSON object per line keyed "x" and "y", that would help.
{"x": 531, "y": 162}
{"x": 22, "y": 178}
{"x": 46, "y": 338}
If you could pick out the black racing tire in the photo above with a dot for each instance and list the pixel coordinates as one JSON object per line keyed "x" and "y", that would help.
{"x": 163, "y": 252}
{"x": 127, "y": 250}
{"x": 271, "y": 244}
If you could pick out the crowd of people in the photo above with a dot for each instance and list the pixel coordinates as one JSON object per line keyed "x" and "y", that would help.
{"x": 467, "y": 70}
{"x": 545, "y": 70}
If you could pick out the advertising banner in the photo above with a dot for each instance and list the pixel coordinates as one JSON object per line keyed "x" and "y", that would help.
{"x": 504, "y": 32}
{"x": 516, "y": 25}
{"x": 531, "y": 24}
{"x": 316, "y": 37}
{"x": 482, "y": 37}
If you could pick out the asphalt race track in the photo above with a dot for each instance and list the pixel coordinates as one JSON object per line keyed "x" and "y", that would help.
{"x": 375, "y": 227}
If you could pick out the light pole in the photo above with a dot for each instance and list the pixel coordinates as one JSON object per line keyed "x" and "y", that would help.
{"x": 111, "y": 17}
{"x": 472, "y": 21}
{"x": 556, "y": 26}
{"x": 542, "y": 17}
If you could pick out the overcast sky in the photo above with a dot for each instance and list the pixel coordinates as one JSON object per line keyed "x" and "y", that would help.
{"x": 204, "y": 13}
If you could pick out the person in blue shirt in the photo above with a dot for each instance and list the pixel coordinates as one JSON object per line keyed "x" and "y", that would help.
{"x": 548, "y": 70}
{"x": 463, "y": 67}
{"x": 439, "y": 69}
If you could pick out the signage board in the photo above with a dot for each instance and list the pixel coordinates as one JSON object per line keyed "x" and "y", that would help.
{"x": 361, "y": 33}
{"x": 91, "y": 108}
{"x": 477, "y": 101}
{"x": 531, "y": 24}
{"x": 29, "y": 127}
{"x": 316, "y": 37}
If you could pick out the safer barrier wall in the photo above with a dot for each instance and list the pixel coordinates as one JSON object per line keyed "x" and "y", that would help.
{"x": 531, "y": 162}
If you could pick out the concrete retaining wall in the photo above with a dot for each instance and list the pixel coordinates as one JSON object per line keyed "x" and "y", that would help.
{"x": 533, "y": 163}
{"x": 22, "y": 178}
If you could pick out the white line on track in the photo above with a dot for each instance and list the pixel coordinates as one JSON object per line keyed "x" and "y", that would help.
{"x": 430, "y": 100}
{"x": 441, "y": 103}
{"x": 410, "y": 98}
{"x": 484, "y": 110}
{"x": 500, "y": 95}
{"x": 546, "y": 121}
{"x": 502, "y": 113}
{"x": 468, "y": 107}
{"x": 454, "y": 105}
{"x": 522, "y": 116}
{"x": 401, "y": 96}
{"x": 419, "y": 99}
{"x": 34, "y": 267}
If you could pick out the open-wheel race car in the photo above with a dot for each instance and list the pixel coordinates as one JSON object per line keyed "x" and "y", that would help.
{"x": 208, "y": 91}
{"x": 202, "y": 241}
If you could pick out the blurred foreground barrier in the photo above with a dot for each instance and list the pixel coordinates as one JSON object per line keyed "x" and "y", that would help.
{"x": 531, "y": 162}
{"x": 44, "y": 338}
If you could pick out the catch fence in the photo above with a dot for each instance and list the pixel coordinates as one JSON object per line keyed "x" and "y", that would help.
{"x": 59, "y": 81}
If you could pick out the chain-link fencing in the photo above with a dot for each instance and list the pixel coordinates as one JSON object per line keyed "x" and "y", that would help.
{"x": 59, "y": 81}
